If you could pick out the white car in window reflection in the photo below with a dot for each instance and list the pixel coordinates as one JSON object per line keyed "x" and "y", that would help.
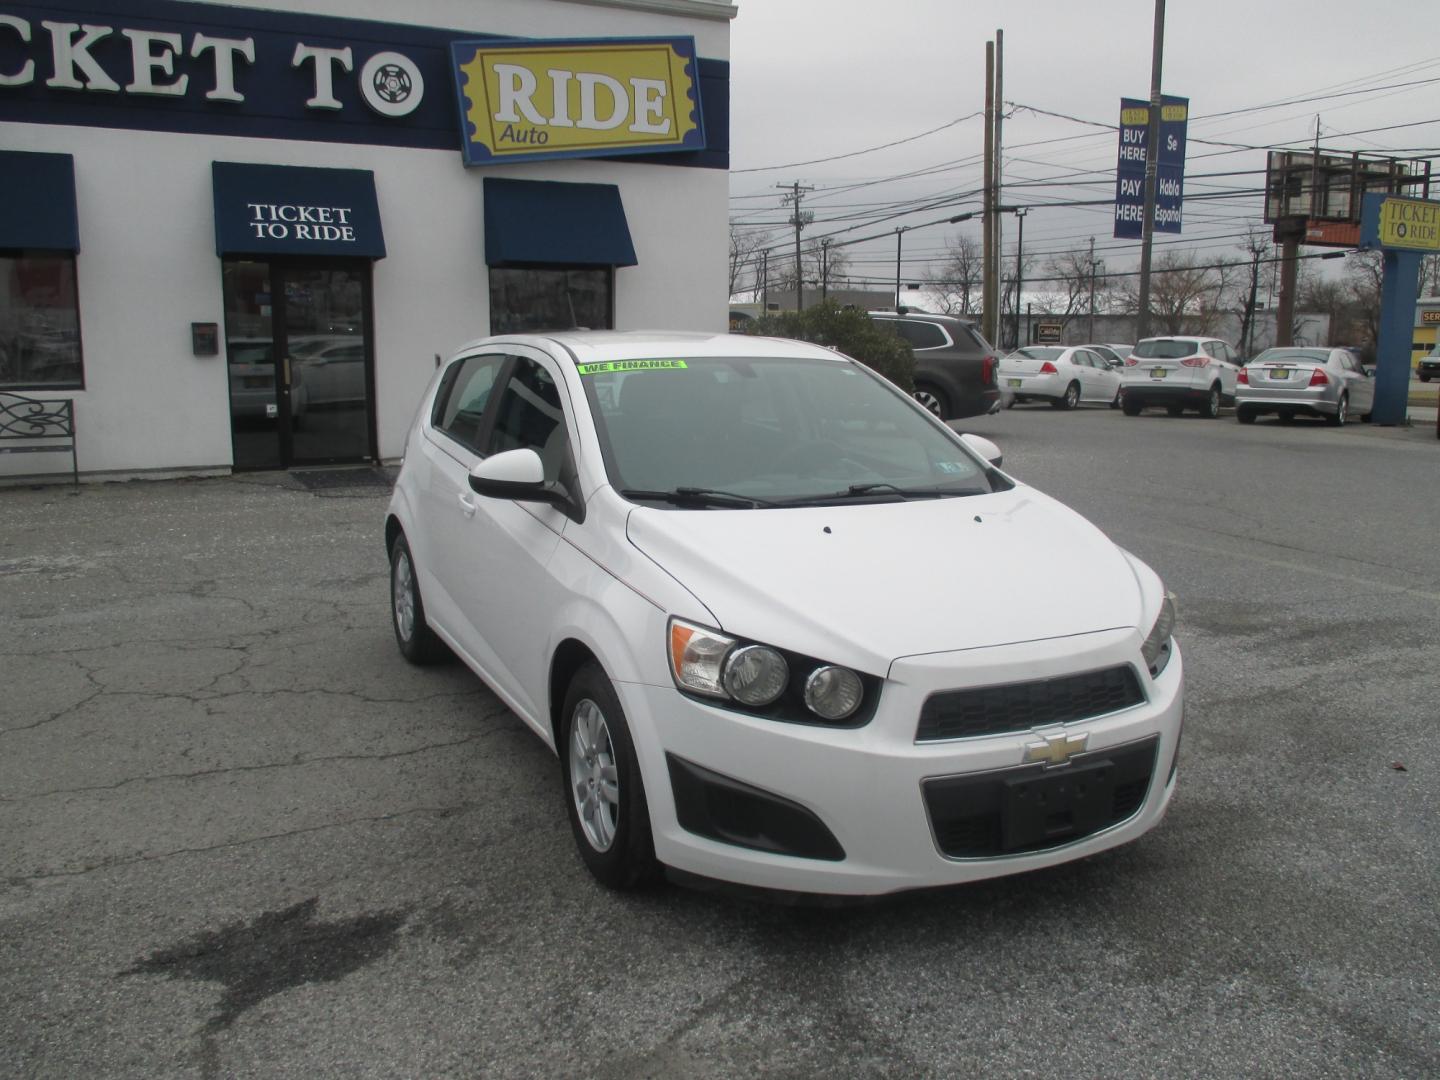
{"x": 251, "y": 363}
{"x": 332, "y": 368}
{"x": 780, "y": 625}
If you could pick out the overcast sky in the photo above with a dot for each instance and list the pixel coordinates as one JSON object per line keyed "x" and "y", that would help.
{"x": 817, "y": 78}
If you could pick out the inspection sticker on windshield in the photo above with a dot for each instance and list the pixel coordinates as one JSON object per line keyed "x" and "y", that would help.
{"x": 629, "y": 365}
{"x": 952, "y": 467}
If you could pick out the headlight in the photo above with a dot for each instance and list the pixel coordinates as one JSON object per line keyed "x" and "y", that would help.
{"x": 1157, "y": 647}
{"x": 833, "y": 693}
{"x": 752, "y": 676}
{"x": 755, "y": 675}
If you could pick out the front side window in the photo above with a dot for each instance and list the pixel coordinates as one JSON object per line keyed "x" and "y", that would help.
{"x": 533, "y": 300}
{"x": 528, "y": 415}
{"x": 39, "y": 321}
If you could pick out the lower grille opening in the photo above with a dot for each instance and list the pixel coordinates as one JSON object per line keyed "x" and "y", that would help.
{"x": 1032, "y": 808}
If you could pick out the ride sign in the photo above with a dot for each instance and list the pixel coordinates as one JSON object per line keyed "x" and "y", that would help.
{"x": 1169, "y": 166}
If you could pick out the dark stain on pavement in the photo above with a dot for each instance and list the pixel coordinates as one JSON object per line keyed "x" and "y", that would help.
{"x": 275, "y": 952}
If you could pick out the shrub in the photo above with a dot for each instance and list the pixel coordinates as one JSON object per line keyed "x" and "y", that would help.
{"x": 849, "y": 330}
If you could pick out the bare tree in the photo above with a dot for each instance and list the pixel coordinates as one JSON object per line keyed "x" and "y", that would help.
{"x": 1259, "y": 274}
{"x": 1185, "y": 295}
{"x": 744, "y": 256}
{"x": 956, "y": 282}
{"x": 1067, "y": 283}
{"x": 819, "y": 261}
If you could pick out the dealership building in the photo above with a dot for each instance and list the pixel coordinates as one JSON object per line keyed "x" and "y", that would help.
{"x": 240, "y": 236}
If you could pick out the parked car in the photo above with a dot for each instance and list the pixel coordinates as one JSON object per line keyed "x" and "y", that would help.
{"x": 954, "y": 364}
{"x": 779, "y": 623}
{"x": 1180, "y": 373}
{"x": 1064, "y": 376}
{"x": 332, "y": 368}
{"x": 1121, "y": 351}
{"x": 1305, "y": 382}
{"x": 1428, "y": 366}
{"x": 1113, "y": 355}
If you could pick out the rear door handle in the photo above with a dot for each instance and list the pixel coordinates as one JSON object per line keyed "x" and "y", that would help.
{"x": 467, "y": 505}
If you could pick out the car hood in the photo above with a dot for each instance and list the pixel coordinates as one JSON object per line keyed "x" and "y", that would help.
{"x": 865, "y": 584}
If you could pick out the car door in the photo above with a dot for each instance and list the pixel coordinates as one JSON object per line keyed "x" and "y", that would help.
{"x": 443, "y": 540}
{"x": 1229, "y": 368}
{"x": 1359, "y": 386}
{"x": 499, "y": 551}
{"x": 1104, "y": 379}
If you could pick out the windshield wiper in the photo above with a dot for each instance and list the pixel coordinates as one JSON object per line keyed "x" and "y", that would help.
{"x": 878, "y": 488}
{"x": 698, "y": 496}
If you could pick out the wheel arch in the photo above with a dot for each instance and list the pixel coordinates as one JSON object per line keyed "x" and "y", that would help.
{"x": 569, "y": 657}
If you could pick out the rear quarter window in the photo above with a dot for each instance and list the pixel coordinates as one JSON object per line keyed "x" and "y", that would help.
{"x": 922, "y": 335}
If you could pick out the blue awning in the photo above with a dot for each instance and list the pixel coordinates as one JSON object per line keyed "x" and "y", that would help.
{"x": 539, "y": 223}
{"x": 37, "y": 209}
{"x": 290, "y": 210}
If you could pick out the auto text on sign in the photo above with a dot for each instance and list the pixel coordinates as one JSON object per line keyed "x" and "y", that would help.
{"x": 527, "y": 100}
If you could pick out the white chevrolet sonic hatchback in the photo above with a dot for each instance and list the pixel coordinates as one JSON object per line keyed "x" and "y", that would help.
{"x": 693, "y": 565}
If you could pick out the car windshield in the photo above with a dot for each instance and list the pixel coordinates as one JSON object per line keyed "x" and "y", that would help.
{"x": 1307, "y": 356}
{"x": 1166, "y": 349}
{"x": 743, "y": 431}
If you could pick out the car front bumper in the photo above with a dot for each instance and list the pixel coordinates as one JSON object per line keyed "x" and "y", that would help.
{"x": 874, "y": 790}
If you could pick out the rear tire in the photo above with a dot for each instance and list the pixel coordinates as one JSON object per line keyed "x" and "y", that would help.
{"x": 1211, "y": 409}
{"x": 418, "y": 643}
{"x": 1070, "y": 399}
{"x": 604, "y": 795}
{"x": 1245, "y": 416}
{"x": 1342, "y": 412}
{"x": 1423, "y": 377}
{"x": 1129, "y": 408}
{"x": 933, "y": 399}
{"x": 1175, "y": 410}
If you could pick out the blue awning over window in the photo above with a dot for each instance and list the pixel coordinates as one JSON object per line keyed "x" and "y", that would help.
{"x": 534, "y": 223}
{"x": 290, "y": 210}
{"x": 37, "y": 201}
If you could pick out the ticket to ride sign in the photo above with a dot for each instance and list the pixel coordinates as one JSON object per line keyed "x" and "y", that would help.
{"x": 1391, "y": 222}
{"x": 529, "y": 100}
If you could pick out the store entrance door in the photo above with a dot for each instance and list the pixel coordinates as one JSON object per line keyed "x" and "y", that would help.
{"x": 301, "y": 374}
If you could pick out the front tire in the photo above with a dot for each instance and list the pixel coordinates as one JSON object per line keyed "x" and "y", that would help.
{"x": 604, "y": 794}
{"x": 1115, "y": 401}
{"x": 417, "y": 641}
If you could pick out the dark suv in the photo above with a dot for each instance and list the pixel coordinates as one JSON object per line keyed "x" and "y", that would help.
{"x": 954, "y": 365}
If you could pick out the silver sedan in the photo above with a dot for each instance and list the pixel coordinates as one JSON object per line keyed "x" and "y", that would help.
{"x": 1304, "y": 382}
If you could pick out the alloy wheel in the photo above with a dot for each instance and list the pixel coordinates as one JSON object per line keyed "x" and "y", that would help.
{"x": 402, "y": 591}
{"x": 594, "y": 779}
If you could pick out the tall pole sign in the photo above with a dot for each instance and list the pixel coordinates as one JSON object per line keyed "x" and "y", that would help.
{"x": 1169, "y": 166}
{"x": 1403, "y": 230}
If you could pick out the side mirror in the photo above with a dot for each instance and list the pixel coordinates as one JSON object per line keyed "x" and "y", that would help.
{"x": 985, "y": 448}
{"x": 518, "y": 475}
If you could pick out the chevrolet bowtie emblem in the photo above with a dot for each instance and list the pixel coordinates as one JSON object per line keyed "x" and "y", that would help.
{"x": 1055, "y": 749}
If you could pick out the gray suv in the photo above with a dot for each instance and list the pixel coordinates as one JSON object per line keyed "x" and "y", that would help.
{"x": 954, "y": 364}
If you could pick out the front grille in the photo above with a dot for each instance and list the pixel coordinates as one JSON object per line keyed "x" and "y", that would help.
{"x": 1034, "y": 807}
{"x": 996, "y": 710}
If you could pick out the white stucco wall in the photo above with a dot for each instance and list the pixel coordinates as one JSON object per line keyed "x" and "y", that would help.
{"x": 147, "y": 267}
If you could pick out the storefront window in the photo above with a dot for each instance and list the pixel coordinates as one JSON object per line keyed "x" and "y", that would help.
{"x": 525, "y": 301}
{"x": 39, "y": 322}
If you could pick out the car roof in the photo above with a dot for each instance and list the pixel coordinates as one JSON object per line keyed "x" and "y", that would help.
{"x": 1183, "y": 337}
{"x": 924, "y": 316}
{"x": 591, "y": 346}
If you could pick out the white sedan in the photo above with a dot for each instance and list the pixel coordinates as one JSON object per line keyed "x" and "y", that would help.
{"x": 689, "y": 564}
{"x": 1063, "y": 376}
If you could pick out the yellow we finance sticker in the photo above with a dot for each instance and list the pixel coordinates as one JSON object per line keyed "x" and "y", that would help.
{"x": 629, "y": 365}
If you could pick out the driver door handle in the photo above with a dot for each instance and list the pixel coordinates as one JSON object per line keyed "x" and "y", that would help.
{"x": 467, "y": 504}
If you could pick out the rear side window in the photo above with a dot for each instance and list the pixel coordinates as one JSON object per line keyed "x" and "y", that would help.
{"x": 464, "y": 394}
{"x": 922, "y": 335}
{"x": 1166, "y": 349}
{"x": 963, "y": 332}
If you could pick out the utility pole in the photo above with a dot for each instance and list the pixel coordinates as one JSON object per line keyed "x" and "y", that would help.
{"x": 899, "y": 234}
{"x": 1152, "y": 152}
{"x": 1091, "y": 335}
{"x": 765, "y": 282}
{"x": 987, "y": 230}
{"x": 799, "y": 220}
{"x": 1020, "y": 212}
{"x": 996, "y": 218}
{"x": 824, "y": 269}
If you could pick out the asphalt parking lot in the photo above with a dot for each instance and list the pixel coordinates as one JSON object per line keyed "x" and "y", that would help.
{"x": 239, "y": 836}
